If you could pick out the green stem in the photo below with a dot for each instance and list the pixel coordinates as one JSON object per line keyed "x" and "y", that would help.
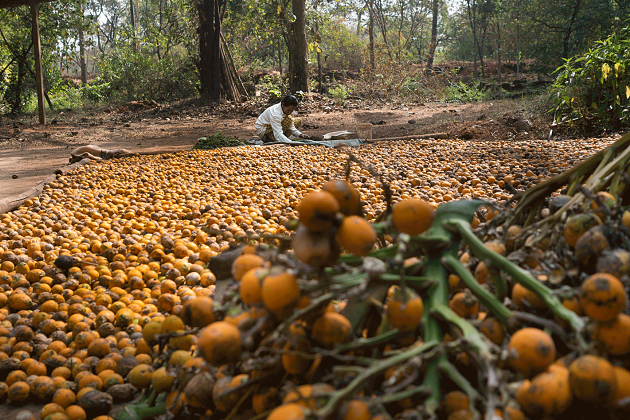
{"x": 386, "y": 337}
{"x": 135, "y": 412}
{"x": 407, "y": 393}
{"x": 480, "y": 250}
{"x": 498, "y": 309}
{"x": 451, "y": 371}
{"x": 438, "y": 295}
{"x": 525, "y": 279}
{"x": 475, "y": 338}
{"x": 375, "y": 369}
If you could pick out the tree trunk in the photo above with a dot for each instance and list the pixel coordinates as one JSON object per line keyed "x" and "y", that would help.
{"x": 82, "y": 60}
{"x": 498, "y": 50}
{"x": 569, "y": 30}
{"x": 298, "y": 54}
{"x": 472, "y": 18}
{"x": 132, "y": 14}
{"x": 434, "y": 28}
{"x": 319, "y": 59}
{"x": 280, "y": 56}
{"x": 371, "y": 35}
{"x": 210, "y": 49}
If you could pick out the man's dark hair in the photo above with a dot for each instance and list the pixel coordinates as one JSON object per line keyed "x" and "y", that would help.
{"x": 290, "y": 100}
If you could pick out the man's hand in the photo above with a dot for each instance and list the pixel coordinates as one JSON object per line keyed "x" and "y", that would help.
{"x": 304, "y": 136}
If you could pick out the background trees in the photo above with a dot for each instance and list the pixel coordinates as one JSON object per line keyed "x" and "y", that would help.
{"x": 164, "y": 49}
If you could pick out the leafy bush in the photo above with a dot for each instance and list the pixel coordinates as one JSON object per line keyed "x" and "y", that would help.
{"x": 216, "y": 141}
{"x": 130, "y": 76}
{"x": 593, "y": 90}
{"x": 461, "y": 92}
{"x": 340, "y": 93}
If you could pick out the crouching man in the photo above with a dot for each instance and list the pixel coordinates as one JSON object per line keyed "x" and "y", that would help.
{"x": 278, "y": 124}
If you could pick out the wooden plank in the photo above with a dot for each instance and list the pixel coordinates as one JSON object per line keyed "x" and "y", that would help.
{"x": 37, "y": 49}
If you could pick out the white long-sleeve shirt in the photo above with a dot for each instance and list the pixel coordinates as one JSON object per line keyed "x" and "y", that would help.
{"x": 273, "y": 117}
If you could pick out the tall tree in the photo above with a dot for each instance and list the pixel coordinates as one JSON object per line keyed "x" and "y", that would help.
{"x": 210, "y": 49}
{"x": 434, "y": 31}
{"x": 298, "y": 48}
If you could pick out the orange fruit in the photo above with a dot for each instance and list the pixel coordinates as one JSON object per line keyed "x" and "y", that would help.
{"x": 220, "y": 343}
{"x": 524, "y": 298}
{"x": 531, "y": 351}
{"x": 404, "y": 312}
{"x": 464, "y": 304}
{"x": 280, "y": 292}
{"x": 602, "y": 297}
{"x": 412, "y": 216}
{"x": 288, "y": 412}
{"x": 314, "y": 248}
{"x": 347, "y": 196}
{"x": 355, "y": 410}
{"x": 593, "y": 379}
{"x": 243, "y": 263}
{"x": 331, "y": 328}
{"x": 197, "y": 312}
{"x": 250, "y": 288}
{"x": 492, "y": 329}
{"x": 614, "y": 335}
{"x": 577, "y": 225}
{"x": 318, "y": 210}
{"x": 356, "y": 235}
{"x": 547, "y": 395}
{"x": 454, "y": 401}
{"x": 623, "y": 383}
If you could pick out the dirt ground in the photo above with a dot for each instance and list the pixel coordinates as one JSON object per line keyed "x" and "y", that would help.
{"x": 29, "y": 152}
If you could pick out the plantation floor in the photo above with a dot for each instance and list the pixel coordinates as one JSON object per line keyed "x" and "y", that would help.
{"x": 31, "y": 151}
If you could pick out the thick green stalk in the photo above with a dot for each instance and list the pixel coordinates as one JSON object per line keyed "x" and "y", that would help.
{"x": 438, "y": 295}
{"x": 141, "y": 412}
{"x": 407, "y": 393}
{"x": 498, "y": 309}
{"x": 386, "y": 337}
{"x": 376, "y": 368}
{"x": 475, "y": 338}
{"x": 524, "y": 278}
{"x": 451, "y": 371}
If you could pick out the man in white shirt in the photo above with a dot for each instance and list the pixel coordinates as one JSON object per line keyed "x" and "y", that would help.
{"x": 277, "y": 123}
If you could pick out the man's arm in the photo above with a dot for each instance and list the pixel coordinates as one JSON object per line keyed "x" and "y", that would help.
{"x": 276, "y": 126}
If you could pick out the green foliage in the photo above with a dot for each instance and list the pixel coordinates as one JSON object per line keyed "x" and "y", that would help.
{"x": 273, "y": 85}
{"x": 340, "y": 93}
{"x": 593, "y": 90}
{"x": 127, "y": 75}
{"x": 461, "y": 92}
{"x": 216, "y": 141}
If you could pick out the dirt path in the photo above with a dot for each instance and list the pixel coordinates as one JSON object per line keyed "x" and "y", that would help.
{"x": 31, "y": 152}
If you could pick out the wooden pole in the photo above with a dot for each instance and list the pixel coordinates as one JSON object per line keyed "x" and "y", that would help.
{"x": 39, "y": 77}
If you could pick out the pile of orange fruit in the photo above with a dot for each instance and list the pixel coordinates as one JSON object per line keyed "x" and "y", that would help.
{"x": 134, "y": 310}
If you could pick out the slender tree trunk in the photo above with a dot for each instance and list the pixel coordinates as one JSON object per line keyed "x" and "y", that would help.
{"x": 132, "y": 14}
{"x": 82, "y": 60}
{"x": 298, "y": 76}
{"x": 371, "y": 35}
{"x": 210, "y": 49}
{"x": 280, "y": 56}
{"x": 498, "y": 50}
{"x": 319, "y": 59}
{"x": 569, "y": 30}
{"x": 518, "y": 47}
{"x": 434, "y": 28}
{"x": 472, "y": 18}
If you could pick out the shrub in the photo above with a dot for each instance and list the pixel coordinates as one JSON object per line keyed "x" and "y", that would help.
{"x": 592, "y": 91}
{"x": 142, "y": 75}
{"x": 461, "y": 92}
